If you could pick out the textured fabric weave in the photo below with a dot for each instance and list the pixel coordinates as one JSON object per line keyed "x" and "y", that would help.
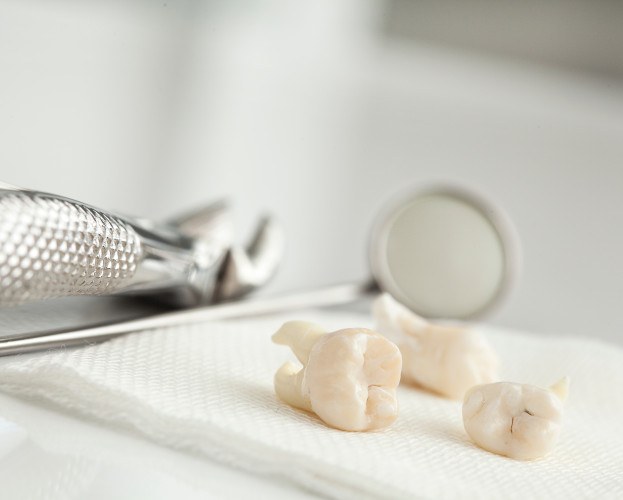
{"x": 208, "y": 388}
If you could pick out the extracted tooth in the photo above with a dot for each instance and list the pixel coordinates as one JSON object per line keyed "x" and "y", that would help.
{"x": 515, "y": 420}
{"x": 443, "y": 359}
{"x": 348, "y": 377}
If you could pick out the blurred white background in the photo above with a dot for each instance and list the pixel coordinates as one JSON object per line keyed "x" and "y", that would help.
{"x": 319, "y": 111}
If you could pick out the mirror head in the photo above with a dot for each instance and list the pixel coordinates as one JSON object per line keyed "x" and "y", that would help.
{"x": 444, "y": 252}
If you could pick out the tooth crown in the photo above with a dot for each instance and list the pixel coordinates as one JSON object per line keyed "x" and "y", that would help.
{"x": 515, "y": 420}
{"x": 443, "y": 359}
{"x": 348, "y": 378}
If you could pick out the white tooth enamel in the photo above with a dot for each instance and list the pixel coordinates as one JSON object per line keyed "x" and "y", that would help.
{"x": 348, "y": 377}
{"x": 515, "y": 420}
{"x": 443, "y": 359}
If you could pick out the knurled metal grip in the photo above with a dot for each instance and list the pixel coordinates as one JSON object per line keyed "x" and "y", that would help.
{"x": 53, "y": 247}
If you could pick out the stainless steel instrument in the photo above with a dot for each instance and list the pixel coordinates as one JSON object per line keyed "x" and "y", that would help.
{"x": 51, "y": 246}
{"x": 442, "y": 250}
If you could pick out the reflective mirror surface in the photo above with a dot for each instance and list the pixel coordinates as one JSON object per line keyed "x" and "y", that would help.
{"x": 444, "y": 253}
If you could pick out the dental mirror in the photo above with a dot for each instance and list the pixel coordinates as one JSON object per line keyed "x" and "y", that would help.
{"x": 444, "y": 252}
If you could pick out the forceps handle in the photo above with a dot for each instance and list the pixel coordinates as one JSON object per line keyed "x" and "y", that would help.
{"x": 51, "y": 246}
{"x": 328, "y": 296}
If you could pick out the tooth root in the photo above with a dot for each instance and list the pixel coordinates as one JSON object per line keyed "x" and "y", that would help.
{"x": 561, "y": 388}
{"x": 393, "y": 316}
{"x": 289, "y": 386}
{"x": 300, "y": 336}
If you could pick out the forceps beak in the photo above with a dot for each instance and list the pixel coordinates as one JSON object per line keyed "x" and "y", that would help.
{"x": 244, "y": 268}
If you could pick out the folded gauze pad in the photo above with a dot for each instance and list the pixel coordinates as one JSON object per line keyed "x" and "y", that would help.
{"x": 209, "y": 388}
